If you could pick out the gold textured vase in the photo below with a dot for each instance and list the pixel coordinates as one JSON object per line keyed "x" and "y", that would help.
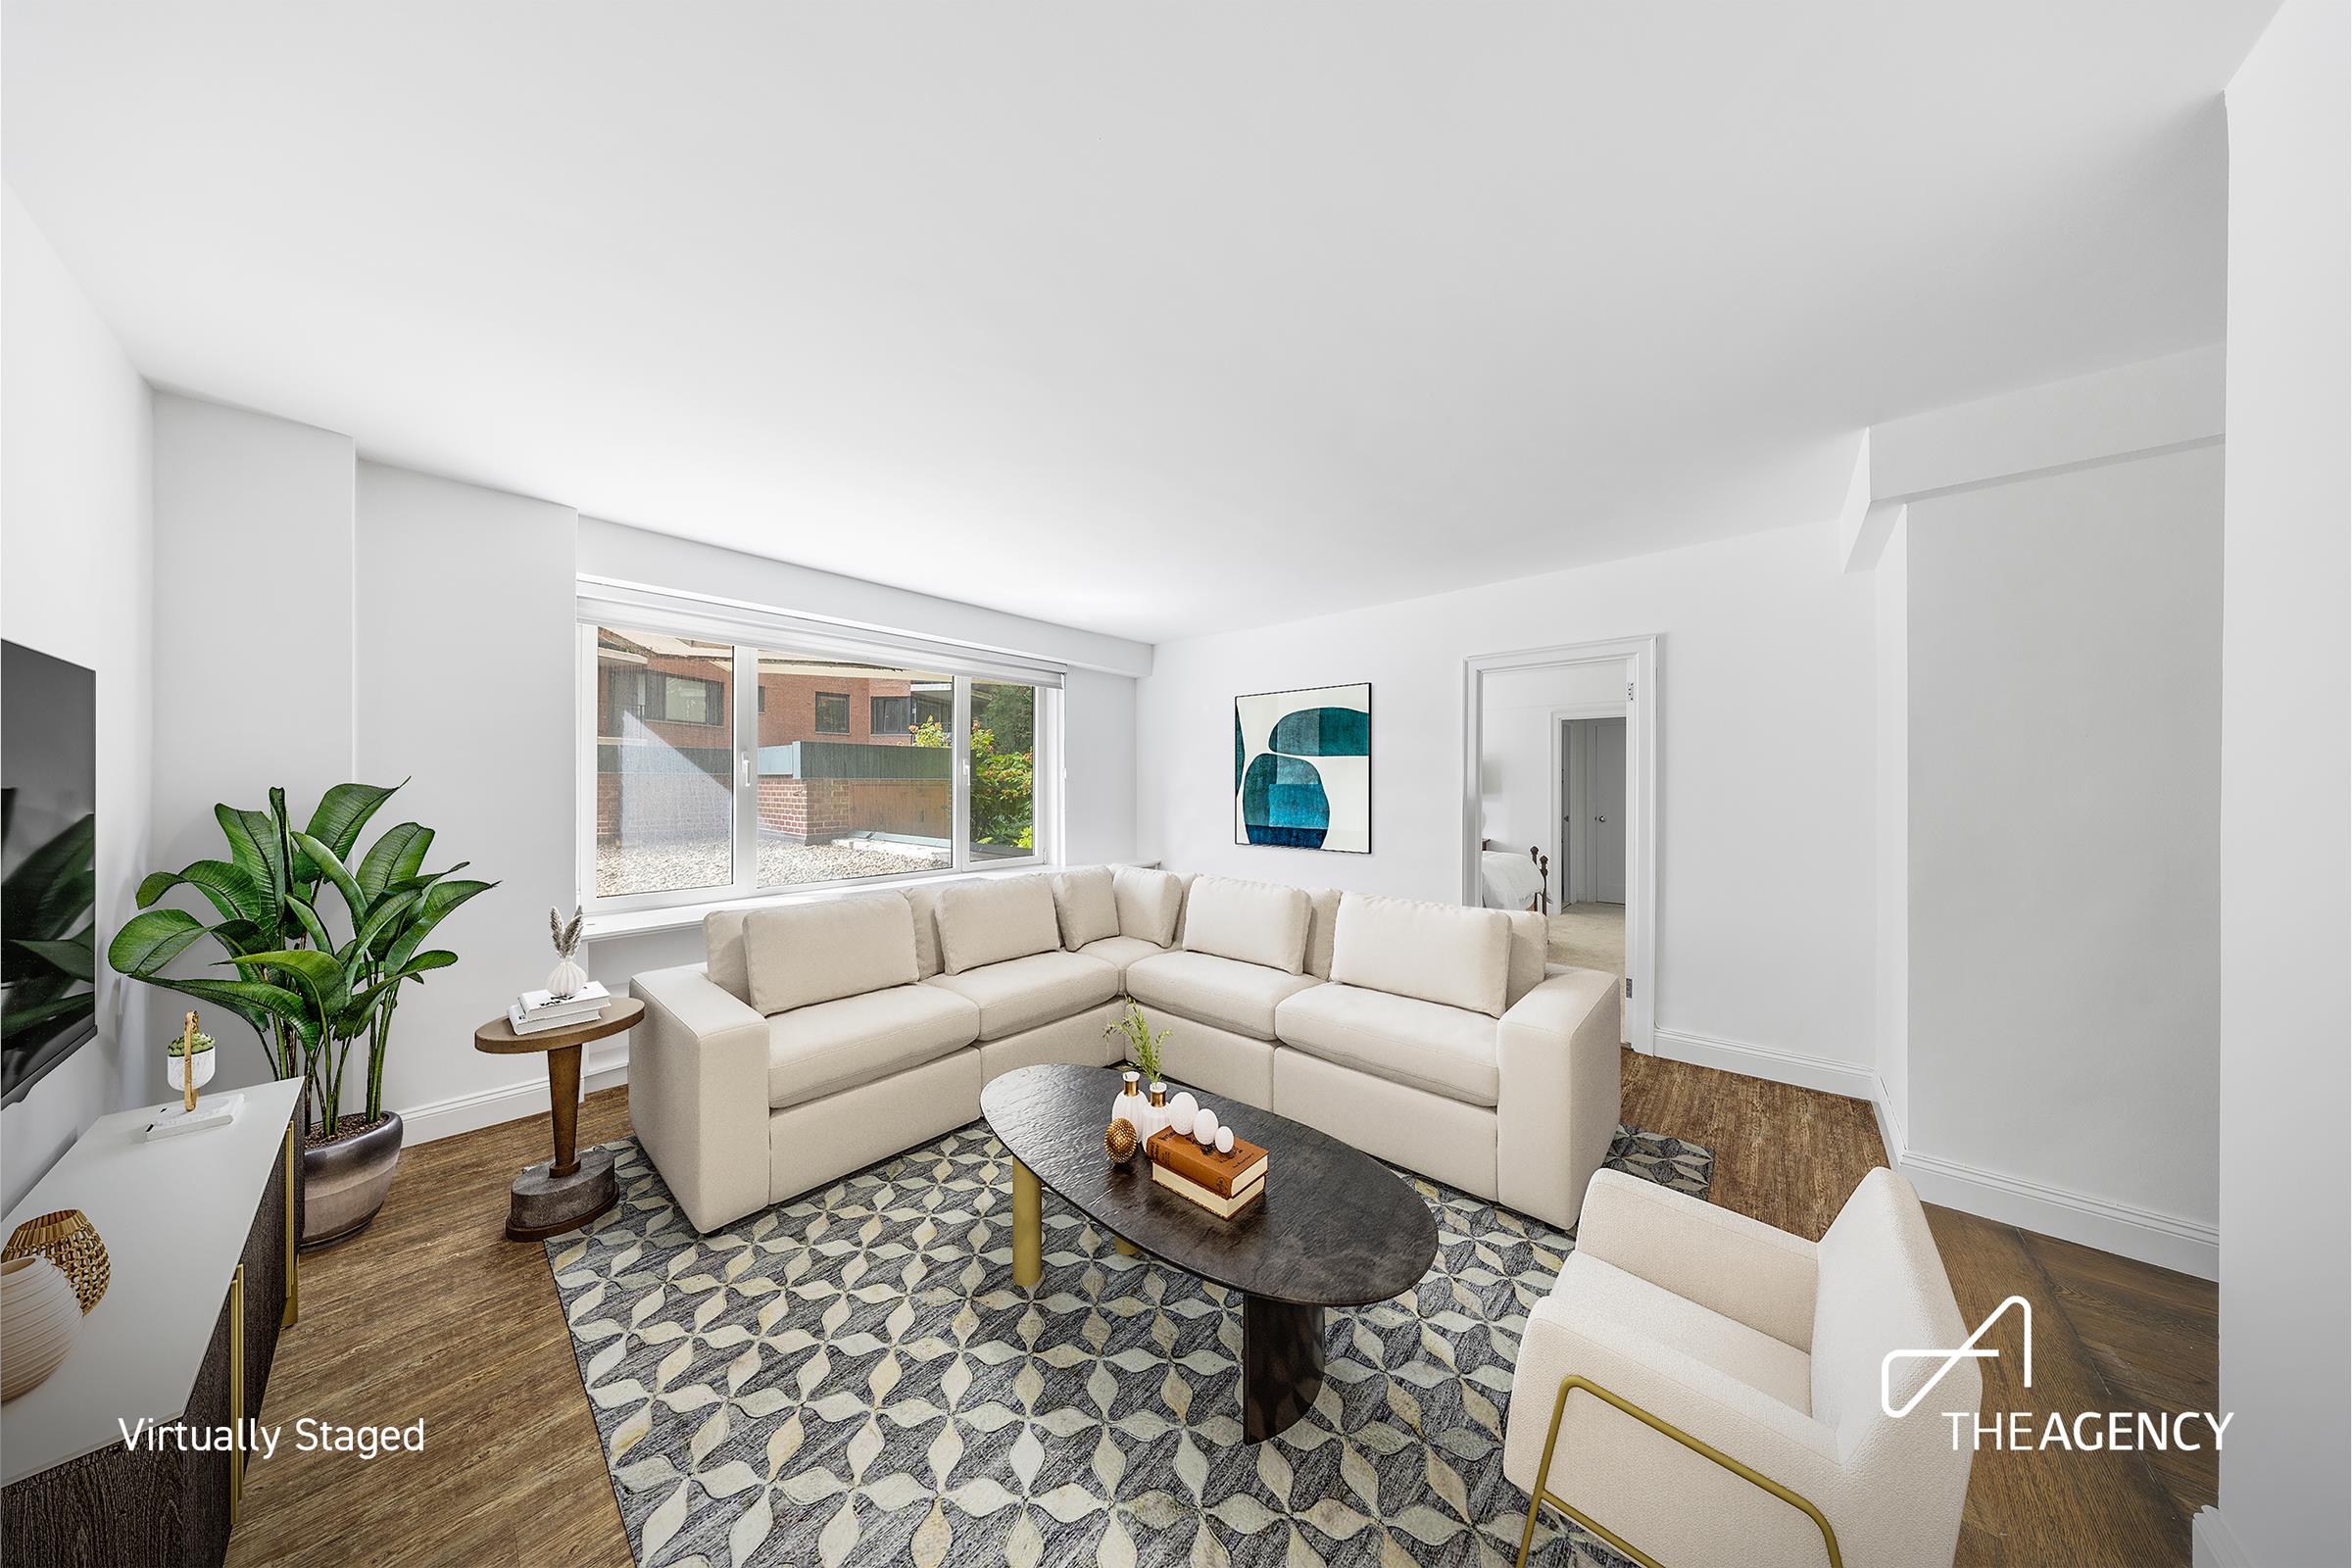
{"x": 66, "y": 1239}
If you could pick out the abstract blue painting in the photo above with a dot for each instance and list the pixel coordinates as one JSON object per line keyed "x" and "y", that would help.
{"x": 1302, "y": 768}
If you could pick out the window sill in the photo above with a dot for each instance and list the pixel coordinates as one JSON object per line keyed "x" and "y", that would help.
{"x": 680, "y": 916}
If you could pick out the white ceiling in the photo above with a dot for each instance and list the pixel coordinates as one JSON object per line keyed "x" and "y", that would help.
{"x": 1147, "y": 318}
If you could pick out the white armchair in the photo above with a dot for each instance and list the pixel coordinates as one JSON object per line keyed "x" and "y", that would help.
{"x": 1699, "y": 1389}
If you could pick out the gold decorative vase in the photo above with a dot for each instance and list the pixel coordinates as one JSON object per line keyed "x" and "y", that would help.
{"x": 69, "y": 1240}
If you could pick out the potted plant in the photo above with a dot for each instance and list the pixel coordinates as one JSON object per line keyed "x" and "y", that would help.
{"x": 1143, "y": 1049}
{"x": 189, "y": 1060}
{"x": 311, "y": 993}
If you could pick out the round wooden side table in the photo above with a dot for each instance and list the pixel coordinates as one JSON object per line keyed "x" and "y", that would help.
{"x": 566, "y": 1192}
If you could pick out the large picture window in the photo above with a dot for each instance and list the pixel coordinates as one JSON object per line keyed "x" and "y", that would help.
{"x": 727, "y": 768}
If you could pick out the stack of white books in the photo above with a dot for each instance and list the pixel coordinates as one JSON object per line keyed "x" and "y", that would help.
{"x": 536, "y": 1012}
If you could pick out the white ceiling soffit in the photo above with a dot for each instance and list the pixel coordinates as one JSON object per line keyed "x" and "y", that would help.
{"x": 1148, "y": 319}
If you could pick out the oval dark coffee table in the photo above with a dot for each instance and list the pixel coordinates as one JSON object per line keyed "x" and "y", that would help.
{"x": 1334, "y": 1228}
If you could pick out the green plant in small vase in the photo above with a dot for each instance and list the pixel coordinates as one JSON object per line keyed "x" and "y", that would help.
{"x": 190, "y": 1066}
{"x": 1143, "y": 1046}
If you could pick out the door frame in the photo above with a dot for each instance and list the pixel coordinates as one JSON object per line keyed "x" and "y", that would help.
{"x": 1560, "y": 716}
{"x": 1641, "y": 656}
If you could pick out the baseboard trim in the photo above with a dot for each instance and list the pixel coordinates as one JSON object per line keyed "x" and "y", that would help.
{"x": 487, "y": 1107}
{"x": 2212, "y": 1543}
{"x": 1766, "y": 1062}
{"x": 2168, "y": 1241}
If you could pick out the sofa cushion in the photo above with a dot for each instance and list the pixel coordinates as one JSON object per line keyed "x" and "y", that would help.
{"x": 1602, "y": 1290}
{"x": 1530, "y": 951}
{"x": 1322, "y": 921}
{"x": 1022, "y": 992}
{"x": 722, "y": 951}
{"x": 800, "y": 953}
{"x": 1225, "y": 992}
{"x": 1120, "y": 951}
{"x": 1148, "y": 902}
{"x": 924, "y": 901}
{"x": 832, "y": 1045}
{"x": 1440, "y": 952}
{"x": 990, "y": 919}
{"x": 1255, "y": 923}
{"x": 1423, "y": 1045}
{"x": 1084, "y": 905}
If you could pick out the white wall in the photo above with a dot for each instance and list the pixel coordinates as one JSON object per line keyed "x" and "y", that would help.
{"x": 252, "y": 646}
{"x": 410, "y": 626}
{"x": 1515, "y": 744}
{"x": 1098, "y": 767}
{"x": 1765, "y": 849}
{"x": 466, "y": 688}
{"x": 2064, "y": 818}
{"x": 76, "y": 533}
{"x": 2286, "y": 774}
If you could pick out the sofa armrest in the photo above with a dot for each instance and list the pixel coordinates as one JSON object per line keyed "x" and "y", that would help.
{"x": 1728, "y": 1263}
{"x": 697, "y": 1094}
{"x": 1674, "y": 1504}
{"x": 1556, "y": 1109}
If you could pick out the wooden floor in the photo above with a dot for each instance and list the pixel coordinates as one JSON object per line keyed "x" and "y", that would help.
{"x": 434, "y": 1314}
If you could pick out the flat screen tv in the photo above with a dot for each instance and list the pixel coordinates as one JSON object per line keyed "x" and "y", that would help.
{"x": 48, "y": 834}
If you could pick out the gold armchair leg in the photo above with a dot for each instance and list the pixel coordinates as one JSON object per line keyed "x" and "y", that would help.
{"x": 1542, "y": 1494}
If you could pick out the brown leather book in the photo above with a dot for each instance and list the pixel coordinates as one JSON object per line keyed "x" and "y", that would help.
{"x": 1222, "y": 1174}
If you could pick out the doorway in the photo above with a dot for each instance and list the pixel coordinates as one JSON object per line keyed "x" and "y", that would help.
{"x": 1582, "y": 719}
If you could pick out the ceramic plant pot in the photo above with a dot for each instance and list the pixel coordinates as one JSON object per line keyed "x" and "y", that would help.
{"x": 345, "y": 1182}
{"x": 175, "y": 1070}
{"x": 40, "y": 1322}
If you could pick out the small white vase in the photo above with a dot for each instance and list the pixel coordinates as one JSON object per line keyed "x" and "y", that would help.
{"x": 1156, "y": 1116}
{"x": 566, "y": 980}
{"x": 40, "y": 1322}
{"x": 175, "y": 1069}
{"x": 1130, "y": 1106}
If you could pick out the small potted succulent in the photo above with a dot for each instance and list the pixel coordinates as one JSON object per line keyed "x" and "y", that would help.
{"x": 190, "y": 1045}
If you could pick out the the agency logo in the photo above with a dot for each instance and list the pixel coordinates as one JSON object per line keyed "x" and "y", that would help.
{"x": 2088, "y": 1430}
{"x": 1972, "y": 1348}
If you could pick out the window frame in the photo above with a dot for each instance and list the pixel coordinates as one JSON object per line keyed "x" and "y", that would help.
{"x": 816, "y": 705}
{"x": 957, "y": 667}
{"x": 873, "y": 715}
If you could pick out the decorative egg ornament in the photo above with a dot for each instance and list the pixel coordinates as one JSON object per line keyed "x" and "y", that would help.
{"x": 1119, "y": 1141}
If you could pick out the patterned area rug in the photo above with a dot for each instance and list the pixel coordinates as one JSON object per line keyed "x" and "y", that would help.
{"x": 852, "y": 1378}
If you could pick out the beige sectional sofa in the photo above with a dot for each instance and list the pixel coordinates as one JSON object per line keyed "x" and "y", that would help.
{"x": 819, "y": 1038}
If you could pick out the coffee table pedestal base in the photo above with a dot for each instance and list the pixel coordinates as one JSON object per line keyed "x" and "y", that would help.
{"x": 1282, "y": 1364}
{"x": 546, "y": 1204}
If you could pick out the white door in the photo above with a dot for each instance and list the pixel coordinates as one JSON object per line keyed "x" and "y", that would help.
{"x": 1604, "y": 802}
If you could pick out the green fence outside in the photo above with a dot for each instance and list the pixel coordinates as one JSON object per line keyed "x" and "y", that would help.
{"x": 814, "y": 760}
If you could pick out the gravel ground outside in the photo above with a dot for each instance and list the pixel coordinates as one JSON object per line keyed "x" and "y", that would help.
{"x": 672, "y": 868}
